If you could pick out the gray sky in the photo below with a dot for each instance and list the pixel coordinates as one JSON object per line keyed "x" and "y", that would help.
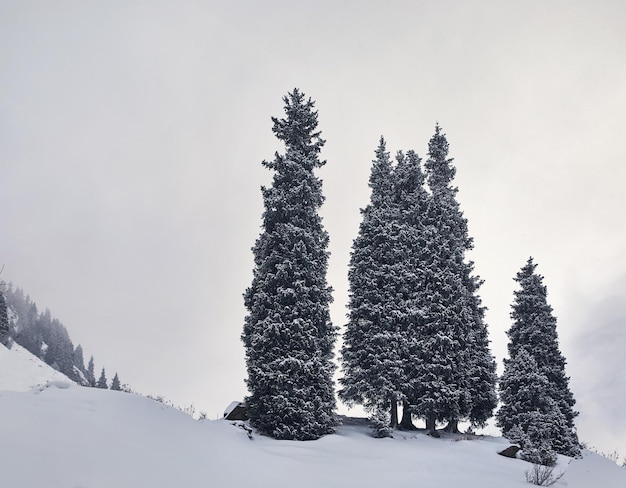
{"x": 131, "y": 137}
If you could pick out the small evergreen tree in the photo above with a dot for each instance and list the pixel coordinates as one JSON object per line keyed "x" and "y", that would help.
{"x": 288, "y": 335}
{"x": 115, "y": 383}
{"x": 102, "y": 381}
{"x": 381, "y": 423}
{"x": 91, "y": 378}
{"x": 533, "y": 335}
{"x": 528, "y": 416}
{"x": 4, "y": 320}
{"x": 78, "y": 362}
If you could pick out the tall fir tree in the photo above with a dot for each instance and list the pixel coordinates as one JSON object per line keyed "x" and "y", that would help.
{"x": 91, "y": 378}
{"x": 416, "y": 332}
{"x": 413, "y": 270}
{"x": 455, "y": 371}
{"x": 534, "y": 331}
{"x": 370, "y": 355}
{"x": 288, "y": 335}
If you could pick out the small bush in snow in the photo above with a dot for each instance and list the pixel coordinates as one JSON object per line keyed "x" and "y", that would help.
{"x": 543, "y": 475}
{"x": 539, "y": 453}
{"x": 465, "y": 437}
{"x": 516, "y": 435}
{"x": 380, "y": 423}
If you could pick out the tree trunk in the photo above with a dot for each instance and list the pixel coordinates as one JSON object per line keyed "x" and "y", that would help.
{"x": 394, "y": 412}
{"x": 452, "y": 427}
{"x": 431, "y": 428}
{"x": 407, "y": 422}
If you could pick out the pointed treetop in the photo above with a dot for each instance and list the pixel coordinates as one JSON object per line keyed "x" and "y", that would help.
{"x": 440, "y": 169}
{"x": 115, "y": 384}
{"x": 297, "y": 130}
{"x": 527, "y": 270}
{"x": 409, "y": 175}
{"x": 380, "y": 177}
{"x": 102, "y": 381}
{"x": 528, "y": 278}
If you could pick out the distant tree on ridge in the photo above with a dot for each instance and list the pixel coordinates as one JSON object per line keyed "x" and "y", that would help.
{"x": 115, "y": 383}
{"x": 4, "y": 320}
{"x": 91, "y": 378}
{"x": 102, "y": 381}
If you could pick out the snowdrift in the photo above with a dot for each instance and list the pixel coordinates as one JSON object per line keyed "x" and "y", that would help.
{"x": 60, "y": 435}
{"x": 20, "y": 370}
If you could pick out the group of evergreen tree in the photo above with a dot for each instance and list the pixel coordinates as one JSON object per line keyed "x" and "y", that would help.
{"x": 45, "y": 337}
{"x": 416, "y": 334}
{"x": 102, "y": 380}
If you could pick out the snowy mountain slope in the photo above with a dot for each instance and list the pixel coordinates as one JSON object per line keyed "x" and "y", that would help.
{"x": 20, "y": 370}
{"x": 71, "y": 436}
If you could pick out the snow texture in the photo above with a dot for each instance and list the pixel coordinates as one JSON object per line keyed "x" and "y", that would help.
{"x": 79, "y": 437}
{"x": 21, "y": 371}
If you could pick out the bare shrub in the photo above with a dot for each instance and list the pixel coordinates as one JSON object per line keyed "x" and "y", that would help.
{"x": 543, "y": 475}
{"x": 465, "y": 437}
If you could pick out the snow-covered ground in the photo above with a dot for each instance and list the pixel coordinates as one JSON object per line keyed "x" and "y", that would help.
{"x": 20, "y": 370}
{"x": 65, "y": 436}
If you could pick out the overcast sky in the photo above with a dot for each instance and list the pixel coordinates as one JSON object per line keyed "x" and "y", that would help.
{"x": 132, "y": 135}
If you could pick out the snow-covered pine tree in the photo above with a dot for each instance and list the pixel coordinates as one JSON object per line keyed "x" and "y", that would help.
{"x": 534, "y": 330}
{"x": 102, "y": 381}
{"x": 458, "y": 371}
{"x": 481, "y": 365}
{"x": 115, "y": 383}
{"x": 28, "y": 332}
{"x": 370, "y": 355}
{"x": 91, "y": 378}
{"x": 288, "y": 335}
{"x": 413, "y": 270}
{"x": 528, "y": 415}
{"x": 79, "y": 364}
{"x": 60, "y": 351}
{"x": 477, "y": 365}
{"x": 4, "y": 320}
